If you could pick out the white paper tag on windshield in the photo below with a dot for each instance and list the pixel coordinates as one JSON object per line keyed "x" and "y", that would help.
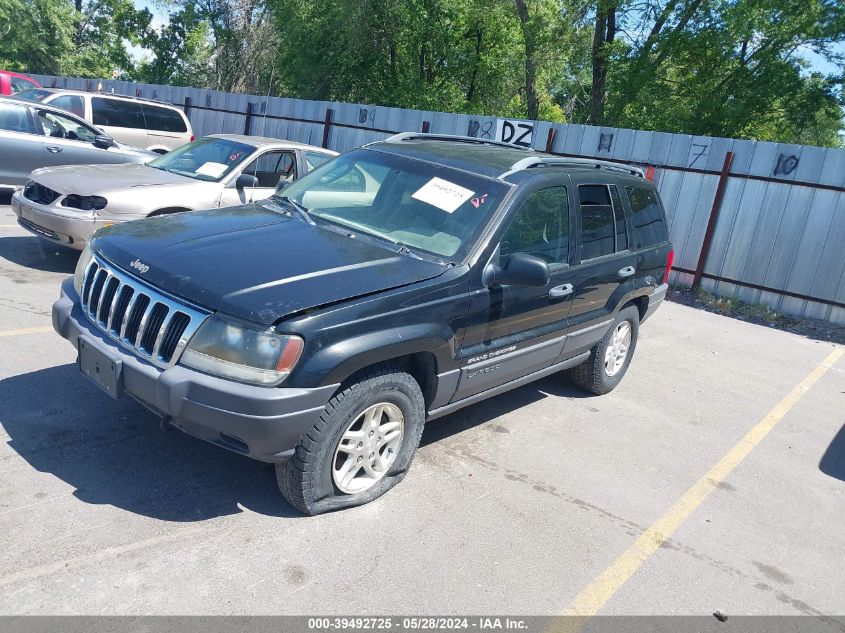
{"x": 215, "y": 170}
{"x": 443, "y": 194}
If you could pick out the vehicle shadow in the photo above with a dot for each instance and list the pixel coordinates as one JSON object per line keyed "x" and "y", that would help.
{"x": 33, "y": 252}
{"x": 833, "y": 460}
{"x": 114, "y": 452}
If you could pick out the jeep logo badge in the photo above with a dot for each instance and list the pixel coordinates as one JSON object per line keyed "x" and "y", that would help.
{"x": 139, "y": 266}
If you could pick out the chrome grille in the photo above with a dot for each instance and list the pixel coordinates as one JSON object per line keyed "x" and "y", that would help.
{"x": 150, "y": 324}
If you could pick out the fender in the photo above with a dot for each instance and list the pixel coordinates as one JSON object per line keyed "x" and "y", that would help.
{"x": 338, "y": 361}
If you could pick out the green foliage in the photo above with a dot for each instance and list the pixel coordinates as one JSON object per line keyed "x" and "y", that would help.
{"x": 53, "y": 37}
{"x": 712, "y": 67}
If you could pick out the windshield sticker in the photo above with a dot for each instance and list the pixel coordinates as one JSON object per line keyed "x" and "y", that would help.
{"x": 215, "y": 170}
{"x": 477, "y": 202}
{"x": 234, "y": 156}
{"x": 443, "y": 194}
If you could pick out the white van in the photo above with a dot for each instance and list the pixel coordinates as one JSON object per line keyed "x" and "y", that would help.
{"x": 154, "y": 125}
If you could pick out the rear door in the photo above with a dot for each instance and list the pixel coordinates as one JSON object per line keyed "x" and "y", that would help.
{"x": 20, "y": 144}
{"x": 121, "y": 119}
{"x": 606, "y": 266}
{"x": 514, "y": 331}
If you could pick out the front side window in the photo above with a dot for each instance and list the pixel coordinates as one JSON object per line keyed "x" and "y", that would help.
{"x": 71, "y": 103}
{"x": 210, "y": 159}
{"x": 272, "y": 168}
{"x": 57, "y": 125}
{"x": 647, "y": 216}
{"x": 598, "y": 229}
{"x": 13, "y": 118}
{"x": 117, "y": 113}
{"x": 160, "y": 119}
{"x": 421, "y": 205}
{"x": 540, "y": 227}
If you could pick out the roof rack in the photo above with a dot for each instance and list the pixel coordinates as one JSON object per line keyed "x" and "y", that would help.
{"x": 409, "y": 136}
{"x": 548, "y": 161}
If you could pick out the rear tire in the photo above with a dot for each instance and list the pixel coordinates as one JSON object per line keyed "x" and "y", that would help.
{"x": 606, "y": 366}
{"x": 329, "y": 471}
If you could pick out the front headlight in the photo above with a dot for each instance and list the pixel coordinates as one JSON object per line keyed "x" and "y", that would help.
{"x": 230, "y": 350}
{"x": 81, "y": 267}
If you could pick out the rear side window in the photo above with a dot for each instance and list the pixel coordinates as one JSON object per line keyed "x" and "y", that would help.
{"x": 647, "y": 216}
{"x": 71, "y": 103}
{"x": 13, "y": 118}
{"x": 315, "y": 159}
{"x": 117, "y": 113}
{"x": 619, "y": 216}
{"x": 598, "y": 228}
{"x": 163, "y": 119}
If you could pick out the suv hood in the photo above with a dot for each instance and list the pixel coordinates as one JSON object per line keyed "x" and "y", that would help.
{"x": 88, "y": 180}
{"x": 255, "y": 264}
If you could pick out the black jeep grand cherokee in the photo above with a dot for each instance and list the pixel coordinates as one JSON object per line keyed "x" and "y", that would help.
{"x": 321, "y": 328}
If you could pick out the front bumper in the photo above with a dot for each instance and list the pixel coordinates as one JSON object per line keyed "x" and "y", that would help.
{"x": 262, "y": 422}
{"x": 68, "y": 227}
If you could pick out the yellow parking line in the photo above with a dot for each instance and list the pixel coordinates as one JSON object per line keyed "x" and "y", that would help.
{"x": 597, "y": 593}
{"x": 26, "y": 330}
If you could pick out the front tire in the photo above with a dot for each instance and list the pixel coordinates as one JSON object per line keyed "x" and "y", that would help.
{"x": 609, "y": 359}
{"x": 362, "y": 445}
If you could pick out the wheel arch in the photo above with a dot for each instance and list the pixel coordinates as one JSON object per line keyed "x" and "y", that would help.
{"x": 167, "y": 211}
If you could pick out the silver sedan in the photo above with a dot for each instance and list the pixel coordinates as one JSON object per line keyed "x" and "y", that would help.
{"x": 34, "y": 135}
{"x": 67, "y": 204}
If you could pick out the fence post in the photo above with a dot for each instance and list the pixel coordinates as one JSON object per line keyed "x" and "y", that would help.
{"x": 550, "y": 140}
{"x": 426, "y": 126}
{"x": 714, "y": 216}
{"x": 248, "y": 119}
{"x": 187, "y": 105}
{"x": 326, "y": 127}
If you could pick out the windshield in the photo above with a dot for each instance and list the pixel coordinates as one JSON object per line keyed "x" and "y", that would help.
{"x": 420, "y": 205}
{"x": 33, "y": 94}
{"x": 209, "y": 159}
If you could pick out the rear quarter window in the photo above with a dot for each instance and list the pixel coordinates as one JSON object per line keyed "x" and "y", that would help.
{"x": 647, "y": 217}
{"x": 116, "y": 113}
{"x": 163, "y": 119}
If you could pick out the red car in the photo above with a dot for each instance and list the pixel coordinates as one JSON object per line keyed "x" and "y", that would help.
{"x": 10, "y": 82}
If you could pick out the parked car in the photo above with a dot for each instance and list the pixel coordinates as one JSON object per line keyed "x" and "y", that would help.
{"x": 67, "y": 204}
{"x": 37, "y": 135}
{"x": 12, "y": 82}
{"x": 154, "y": 125}
{"x": 320, "y": 329}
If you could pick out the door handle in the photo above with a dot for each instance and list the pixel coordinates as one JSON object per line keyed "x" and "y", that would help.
{"x": 561, "y": 291}
{"x": 53, "y": 149}
{"x": 628, "y": 271}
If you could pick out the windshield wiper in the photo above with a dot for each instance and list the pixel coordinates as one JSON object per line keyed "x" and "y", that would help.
{"x": 293, "y": 204}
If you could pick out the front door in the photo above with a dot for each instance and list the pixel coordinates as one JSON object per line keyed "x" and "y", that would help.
{"x": 270, "y": 168}
{"x": 514, "y": 331}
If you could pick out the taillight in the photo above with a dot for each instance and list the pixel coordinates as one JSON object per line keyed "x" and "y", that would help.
{"x": 649, "y": 173}
{"x": 192, "y": 137}
{"x": 670, "y": 259}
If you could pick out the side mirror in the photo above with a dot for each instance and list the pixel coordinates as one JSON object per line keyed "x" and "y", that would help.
{"x": 102, "y": 141}
{"x": 246, "y": 181}
{"x": 519, "y": 270}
